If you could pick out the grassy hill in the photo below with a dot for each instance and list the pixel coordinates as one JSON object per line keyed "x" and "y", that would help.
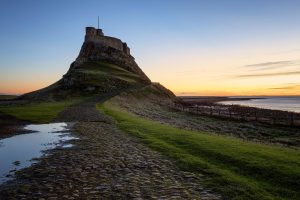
{"x": 96, "y": 73}
{"x": 7, "y": 97}
{"x": 89, "y": 78}
{"x": 81, "y": 82}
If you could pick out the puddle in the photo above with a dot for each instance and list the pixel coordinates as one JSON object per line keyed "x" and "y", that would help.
{"x": 19, "y": 151}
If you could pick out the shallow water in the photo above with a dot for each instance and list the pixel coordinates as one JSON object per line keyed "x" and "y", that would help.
{"x": 275, "y": 103}
{"x": 18, "y": 151}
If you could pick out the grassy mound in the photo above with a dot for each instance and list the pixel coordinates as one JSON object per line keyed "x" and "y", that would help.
{"x": 38, "y": 112}
{"x": 7, "y": 97}
{"x": 101, "y": 70}
{"x": 235, "y": 168}
{"x": 89, "y": 78}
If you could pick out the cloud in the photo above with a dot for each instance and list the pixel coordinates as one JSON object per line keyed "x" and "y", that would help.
{"x": 259, "y": 68}
{"x": 273, "y": 65}
{"x": 268, "y": 74}
{"x": 296, "y": 86}
{"x": 269, "y": 64}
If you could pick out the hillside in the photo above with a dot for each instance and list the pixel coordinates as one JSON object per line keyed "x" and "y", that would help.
{"x": 90, "y": 78}
{"x": 103, "y": 66}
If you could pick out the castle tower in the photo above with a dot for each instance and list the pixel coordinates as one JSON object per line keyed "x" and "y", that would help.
{"x": 90, "y": 31}
{"x": 100, "y": 32}
{"x": 97, "y": 37}
{"x": 126, "y": 48}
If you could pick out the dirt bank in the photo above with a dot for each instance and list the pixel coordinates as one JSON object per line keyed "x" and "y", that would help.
{"x": 10, "y": 126}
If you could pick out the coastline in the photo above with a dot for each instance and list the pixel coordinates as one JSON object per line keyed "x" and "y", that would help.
{"x": 211, "y": 106}
{"x": 274, "y": 103}
{"x": 214, "y": 99}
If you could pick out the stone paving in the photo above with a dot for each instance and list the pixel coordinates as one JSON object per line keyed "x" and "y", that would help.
{"x": 104, "y": 164}
{"x": 84, "y": 112}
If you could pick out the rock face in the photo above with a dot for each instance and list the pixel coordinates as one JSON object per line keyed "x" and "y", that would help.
{"x": 98, "y": 47}
{"x": 91, "y": 51}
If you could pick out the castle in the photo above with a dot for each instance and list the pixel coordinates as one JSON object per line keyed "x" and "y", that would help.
{"x": 96, "y": 36}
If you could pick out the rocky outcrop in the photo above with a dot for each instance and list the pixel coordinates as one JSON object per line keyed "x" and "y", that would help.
{"x": 93, "y": 51}
{"x": 103, "y": 66}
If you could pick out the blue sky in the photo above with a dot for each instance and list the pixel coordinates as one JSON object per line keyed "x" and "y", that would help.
{"x": 191, "y": 46}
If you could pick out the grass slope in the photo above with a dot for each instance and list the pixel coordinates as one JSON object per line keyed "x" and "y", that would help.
{"x": 88, "y": 79}
{"x": 97, "y": 71}
{"x": 7, "y": 97}
{"x": 38, "y": 112}
{"x": 236, "y": 169}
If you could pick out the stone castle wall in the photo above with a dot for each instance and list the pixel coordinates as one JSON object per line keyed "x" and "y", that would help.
{"x": 97, "y": 36}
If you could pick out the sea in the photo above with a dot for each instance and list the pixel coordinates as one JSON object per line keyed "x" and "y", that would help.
{"x": 285, "y": 103}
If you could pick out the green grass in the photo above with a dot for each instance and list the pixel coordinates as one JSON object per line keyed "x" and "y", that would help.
{"x": 38, "y": 112}
{"x": 100, "y": 70}
{"x": 7, "y": 97}
{"x": 235, "y": 168}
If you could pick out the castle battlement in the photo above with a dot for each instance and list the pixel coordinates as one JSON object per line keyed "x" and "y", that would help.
{"x": 96, "y": 35}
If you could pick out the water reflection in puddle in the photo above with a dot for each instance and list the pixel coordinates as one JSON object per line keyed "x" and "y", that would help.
{"x": 18, "y": 151}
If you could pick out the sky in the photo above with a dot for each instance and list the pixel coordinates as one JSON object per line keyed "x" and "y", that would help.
{"x": 193, "y": 47}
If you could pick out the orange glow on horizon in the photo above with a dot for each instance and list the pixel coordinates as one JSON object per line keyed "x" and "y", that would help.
{"x": 191, "y": 71}
{"x": 22, "y": 88}
{"x": 203, "y": 48}
{"x": 29, "y": 87}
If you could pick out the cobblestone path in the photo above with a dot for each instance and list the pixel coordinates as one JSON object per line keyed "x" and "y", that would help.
{"x": 104, "y": 164}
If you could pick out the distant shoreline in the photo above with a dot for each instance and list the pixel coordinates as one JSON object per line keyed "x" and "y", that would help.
{"x": 211, "y": 106}
{"x": 282, "y": 103}
{"x": 214, "y": 99}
